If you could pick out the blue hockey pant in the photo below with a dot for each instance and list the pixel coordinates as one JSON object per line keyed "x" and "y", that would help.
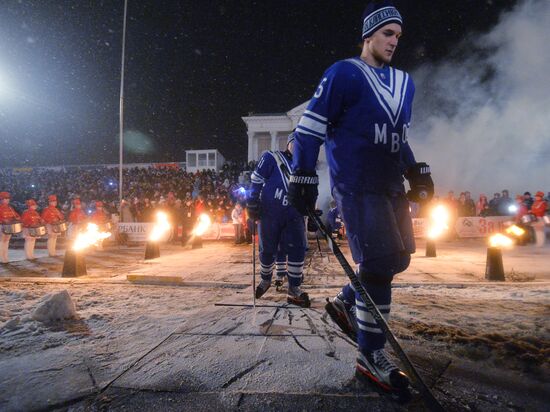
{"x": 380, "y": 235}
{"x": 287, "y": 235}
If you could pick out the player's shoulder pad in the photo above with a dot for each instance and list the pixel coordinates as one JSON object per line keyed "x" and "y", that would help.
{"x": 343, "y": 68}
{"x": 269, "y": 156}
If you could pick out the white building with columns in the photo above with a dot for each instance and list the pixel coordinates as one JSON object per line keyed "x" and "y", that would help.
{"x": 269, "y": 131}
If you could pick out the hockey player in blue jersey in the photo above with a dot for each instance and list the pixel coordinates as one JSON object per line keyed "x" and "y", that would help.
{"x": 361, "y": 111}
{"x": 279, "y": 221}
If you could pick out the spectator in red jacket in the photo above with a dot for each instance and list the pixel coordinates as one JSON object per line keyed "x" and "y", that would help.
{"x": 31, "y": 219}
{"x": 540, "y": 206}
{"x": 77, "y": 219}
{"x": 52, "y": 217}
{"x": 539, "y": 209}
{"x": 100, "y": 216}
{"x": 482, "y": 206}
{"x": 7, "y": 216}
{"x": 522, "y": 208}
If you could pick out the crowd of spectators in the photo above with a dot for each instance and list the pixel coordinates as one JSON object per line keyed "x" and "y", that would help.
{"x": 145, "y": 189}
{"x": 501, "y": 204}
{"x": 185, "y": 195}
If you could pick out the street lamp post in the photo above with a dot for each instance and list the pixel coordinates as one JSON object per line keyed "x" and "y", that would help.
{"x": 121, "y": 111}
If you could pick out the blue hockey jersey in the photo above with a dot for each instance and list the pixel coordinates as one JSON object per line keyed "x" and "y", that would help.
{"x": 363, "y": 115}
{"x": 270, "y": 183}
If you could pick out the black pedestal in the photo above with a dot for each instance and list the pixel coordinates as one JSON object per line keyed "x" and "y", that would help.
{"x": 152, "y": 250}
{"x": 430, "y": 248}
{"x": 197, "y": 242}
{"x": 74, "y": 264}
{"x": 494, "y": 270}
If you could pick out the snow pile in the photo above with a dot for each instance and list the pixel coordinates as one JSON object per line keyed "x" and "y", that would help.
{"x": 11, "y": 324}
{"x": 55, "y": 306}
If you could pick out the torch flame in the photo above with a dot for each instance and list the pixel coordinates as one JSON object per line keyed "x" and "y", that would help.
{"x": 515, "y": 230}
{"x": 500, "y": 240}
{"x": 439, "y": 217}
{"x": 161, "y": 227}
{"x": 92, "y": 236}
{"x": 202, "y": 225}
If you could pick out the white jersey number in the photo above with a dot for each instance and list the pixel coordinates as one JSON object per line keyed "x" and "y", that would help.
{"x": 320, "y": 89}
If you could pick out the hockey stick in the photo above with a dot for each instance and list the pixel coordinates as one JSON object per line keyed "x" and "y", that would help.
{"x": 318, "y": 245}
{"x": 254, "y": 263}
{"x": 431, "y": 402}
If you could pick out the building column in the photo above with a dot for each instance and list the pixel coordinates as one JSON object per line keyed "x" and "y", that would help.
{"x": 274, "y": 142}
{"x": 250, "y": 146}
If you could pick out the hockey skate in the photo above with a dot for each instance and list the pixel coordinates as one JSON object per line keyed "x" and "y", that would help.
{"x": 297, "y": 297}
{"x": 262, "y": 288}
{"x": 377, "y": 368}
{"x": 343, "y": 315}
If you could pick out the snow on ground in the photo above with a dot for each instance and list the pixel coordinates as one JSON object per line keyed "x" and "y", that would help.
{"x": 484, "y": 345}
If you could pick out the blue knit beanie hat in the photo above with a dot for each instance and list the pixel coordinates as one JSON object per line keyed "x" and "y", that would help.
{"x": 378, "y": 14}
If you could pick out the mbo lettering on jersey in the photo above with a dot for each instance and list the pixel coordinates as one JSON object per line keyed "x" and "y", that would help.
{"x": 396, "y": 139}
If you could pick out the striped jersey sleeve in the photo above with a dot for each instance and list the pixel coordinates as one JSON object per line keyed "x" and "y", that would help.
{"x": 263, "y": 171}
{"x": 336, "y": 88}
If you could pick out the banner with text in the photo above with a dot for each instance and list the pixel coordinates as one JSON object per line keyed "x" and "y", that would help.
{"x": 480, "y": 226}
{"x": 467, "y": 226}
{"x": 139, "y": 232}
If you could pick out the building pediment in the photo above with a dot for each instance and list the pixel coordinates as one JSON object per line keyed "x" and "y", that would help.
{"x": 298, "y": 110}
{"x": 269, "y": 131}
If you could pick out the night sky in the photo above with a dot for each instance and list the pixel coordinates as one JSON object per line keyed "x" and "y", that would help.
{"x": 193, "y": 69}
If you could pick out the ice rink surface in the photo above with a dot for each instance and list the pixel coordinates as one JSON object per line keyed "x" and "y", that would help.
{"x": 158, "y": 342}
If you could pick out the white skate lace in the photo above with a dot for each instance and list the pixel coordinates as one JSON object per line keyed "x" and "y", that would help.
{"x": 382, "y": 361}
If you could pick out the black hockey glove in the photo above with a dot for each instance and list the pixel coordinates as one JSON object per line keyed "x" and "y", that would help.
{"x": 421, "y": 183}
{"x": 302, "y": 191}
{"x": 254, "y": 209}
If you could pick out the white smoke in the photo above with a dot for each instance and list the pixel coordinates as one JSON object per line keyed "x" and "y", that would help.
{"x": 482, "y": 118}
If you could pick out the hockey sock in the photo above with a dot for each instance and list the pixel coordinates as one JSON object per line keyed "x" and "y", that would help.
{"x": 280, "y": 269}
{"x": 295, "y": 273}
{"x": 266, "y": 271}
{"x": 370, "y": 337}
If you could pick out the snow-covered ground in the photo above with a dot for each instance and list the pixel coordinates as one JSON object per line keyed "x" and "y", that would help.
{"x": 159, "y": 342}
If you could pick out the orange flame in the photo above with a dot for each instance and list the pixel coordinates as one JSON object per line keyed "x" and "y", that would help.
{"x": 500, "y": 240}
{"x": 439, "y": 217}
{"x": 203, "y": 225}
{"x": 92, "y": 236}
{"x": 161, "y": 227}
{"x": 515, "y": 230}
